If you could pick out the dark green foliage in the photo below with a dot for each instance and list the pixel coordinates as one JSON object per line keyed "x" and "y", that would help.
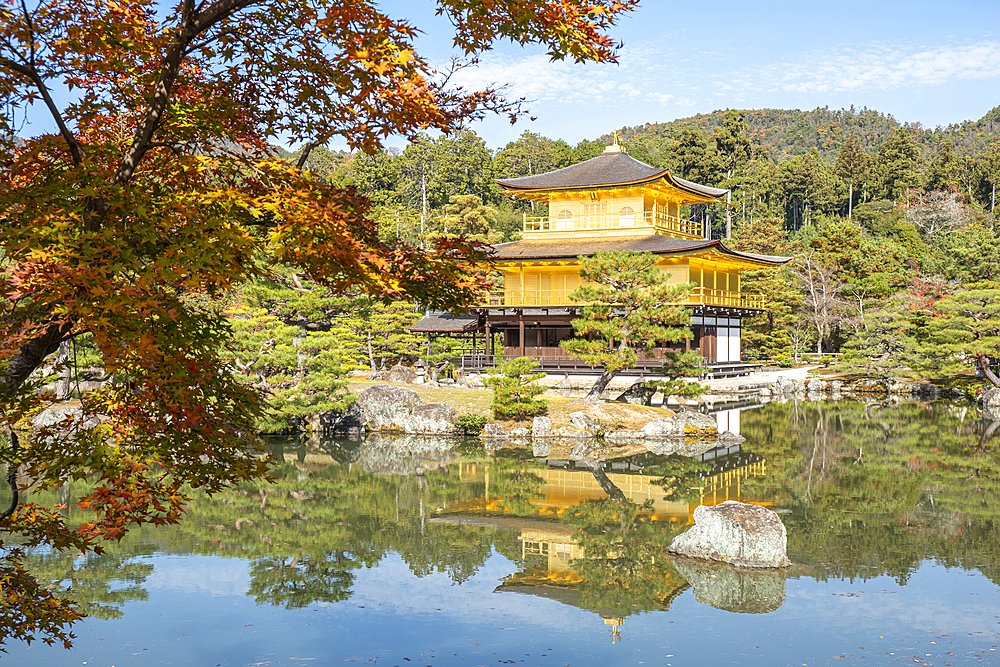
{"x": 630, "y": 307}
{"x": 515, "y": 389}
{"x": 852, "y": 166}
{"x": 965, "y": 332}
{"x": 471, "y": 424}
{"x": 896, "y": 168}
{"x": 767, "y": 334}
{"x": 971, "y": 255}
{"x": 885, "y": 347}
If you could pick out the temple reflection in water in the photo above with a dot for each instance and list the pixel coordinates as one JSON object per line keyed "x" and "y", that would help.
{"x": 658, "y": 492}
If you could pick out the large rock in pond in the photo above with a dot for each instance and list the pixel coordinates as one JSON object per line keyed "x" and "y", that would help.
{"x": 693, "y": 421}
{"x": 541, "y": 427}
{"x": 385, "y": 407}
{"x": 493, "y": 430}
{"x": 61, "y": 421}
{"x": 685, "y": 422}
{"x": 784, "y": 385}
{"x": 585, "y": 422}
{"x": 738, "y": 590}
{"x": 991, "y": 404}
{"x": 664, "y": 427}
{"x": 430, "y": 419}
{"x": 735, "y": 533}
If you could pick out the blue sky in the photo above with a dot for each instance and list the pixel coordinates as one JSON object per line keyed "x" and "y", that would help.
{"x": 932, "y": 62}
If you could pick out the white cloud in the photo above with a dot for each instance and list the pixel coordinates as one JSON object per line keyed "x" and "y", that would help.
{"x": 882, "y": 67}
{"x": 642, "y": 72}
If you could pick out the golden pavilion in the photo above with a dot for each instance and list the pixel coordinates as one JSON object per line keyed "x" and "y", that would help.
{"x": 612, "y": 202}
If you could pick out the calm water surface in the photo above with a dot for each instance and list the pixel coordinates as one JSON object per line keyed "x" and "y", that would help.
{"x": 413, "y": 551}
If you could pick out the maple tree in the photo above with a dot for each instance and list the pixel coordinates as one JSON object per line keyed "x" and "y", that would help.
{"x": 158, "y": 192}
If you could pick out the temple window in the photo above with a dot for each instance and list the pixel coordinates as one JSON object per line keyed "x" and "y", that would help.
{"x": 565, "y": 219}
{"x": 626, "y": 217}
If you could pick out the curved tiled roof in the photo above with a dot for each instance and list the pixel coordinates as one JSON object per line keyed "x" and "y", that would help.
{"x": 437, "y": 322}
{"x": 654, "y": 243}
{"x": 607, "y": 169}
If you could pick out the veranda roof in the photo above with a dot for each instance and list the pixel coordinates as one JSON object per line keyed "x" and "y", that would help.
{"x": 554, "y": 249}
{"x": 434, "y": 322}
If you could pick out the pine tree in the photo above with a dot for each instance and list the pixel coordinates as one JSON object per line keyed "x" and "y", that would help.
{"x": 852, "y": 166}
{"x": 734, "y": 150}
{"x": 942, "y": 168}
{"x": 515, "y": 388}
{"x": 381, "y": 331}
{"x": 630, "y": 307}
{"x": 897, "y": 166}
{"x": 465, "y": 215}
{"x": 965, "y": 332}
{"x": 767, "y": 334}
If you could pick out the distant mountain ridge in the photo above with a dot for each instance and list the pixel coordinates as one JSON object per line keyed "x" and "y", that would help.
{"x": 786, "y": 133}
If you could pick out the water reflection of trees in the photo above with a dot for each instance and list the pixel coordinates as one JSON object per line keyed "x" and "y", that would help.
{"x": 875, "y": 489}
{"x": 625, "y": 566}
{"x": 101, "y": 583}
{"x": 868, "y": 490}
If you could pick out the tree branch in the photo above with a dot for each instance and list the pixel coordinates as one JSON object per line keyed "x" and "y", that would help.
{"x": 192, "y": 25}
{"x": 75, "y": 151}
{"x": 30, "y": 357}
{"x": 306, "y": 150}
{"x": 15, "y": 447}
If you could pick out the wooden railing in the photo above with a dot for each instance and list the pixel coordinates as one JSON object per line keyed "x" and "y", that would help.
{"x": 560, "y": 298}
{"x": 655, "y": 220}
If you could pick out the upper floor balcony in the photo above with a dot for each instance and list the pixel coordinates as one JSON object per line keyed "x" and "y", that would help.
{"x": 623, "y": 223}
{"x": 703, "y": 296}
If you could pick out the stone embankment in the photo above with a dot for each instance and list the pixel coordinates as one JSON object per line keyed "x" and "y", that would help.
{"x": 384, "y": 408}
{"x": 817, "y": 388}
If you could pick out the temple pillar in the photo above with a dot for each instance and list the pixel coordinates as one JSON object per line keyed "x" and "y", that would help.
{"x": 520, "y": 328}
{"x": 489, "y": 338}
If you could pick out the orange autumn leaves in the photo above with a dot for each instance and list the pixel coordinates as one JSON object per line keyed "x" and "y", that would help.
{"x": 157, "y": 192}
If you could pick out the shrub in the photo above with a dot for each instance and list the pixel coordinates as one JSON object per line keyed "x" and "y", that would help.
{"x": 471, "y": 424}
{"x": 515, "y": 389}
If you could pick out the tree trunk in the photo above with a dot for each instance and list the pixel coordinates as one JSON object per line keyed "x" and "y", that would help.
{"x": 984, "y": 364}
{"x": 423, "y": 200}
{"x": 31, "y": 355}
{"x": 850, "y": 200}
{"x": 598, "y": 389}
{"x": 371, "y": 353}
{"x": 66, "y": 373}
{"x": 606, "y": 484}
{"x": 729, "y": 213}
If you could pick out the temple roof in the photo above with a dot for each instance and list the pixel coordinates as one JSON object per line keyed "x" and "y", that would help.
{"x": 435, "y": 322}
{"x": 609, "y": 169}
{"x": 654, "y": 243}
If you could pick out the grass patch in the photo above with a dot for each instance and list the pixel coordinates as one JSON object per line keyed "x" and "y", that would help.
{"x": 466, "y": 400}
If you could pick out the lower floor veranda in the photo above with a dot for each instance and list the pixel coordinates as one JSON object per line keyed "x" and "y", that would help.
{"x": 536, "y": 334}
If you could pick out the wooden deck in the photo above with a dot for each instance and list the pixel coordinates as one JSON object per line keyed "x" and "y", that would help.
{"x": 558, "y": 360}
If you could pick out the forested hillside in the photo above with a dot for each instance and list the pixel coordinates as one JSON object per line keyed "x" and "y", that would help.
{"x": 784, "y": 133}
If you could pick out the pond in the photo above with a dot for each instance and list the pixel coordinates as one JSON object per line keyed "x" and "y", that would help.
{"x": 413, "y": 552}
